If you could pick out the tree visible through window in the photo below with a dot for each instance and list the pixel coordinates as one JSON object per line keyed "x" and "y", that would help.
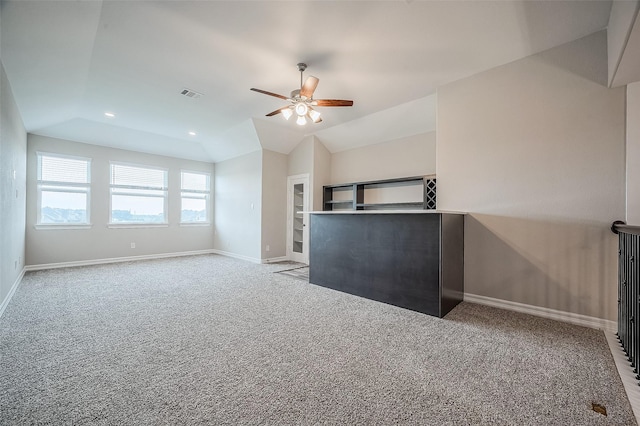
{"x": 138, "y": 195}
{"x": 63, "y": 189}
{"x": 195, "y": 191}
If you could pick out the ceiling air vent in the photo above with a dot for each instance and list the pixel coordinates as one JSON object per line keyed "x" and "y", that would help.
{"x": 191, "y": 93}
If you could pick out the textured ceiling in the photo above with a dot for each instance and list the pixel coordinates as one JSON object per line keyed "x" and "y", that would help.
{"x": 69, "y": 62}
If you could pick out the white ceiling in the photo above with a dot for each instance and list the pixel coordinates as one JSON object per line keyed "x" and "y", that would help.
{"x": 68, "y": 62}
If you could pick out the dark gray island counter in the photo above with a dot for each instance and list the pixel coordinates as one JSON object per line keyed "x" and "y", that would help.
{"x": 411, "y": 259}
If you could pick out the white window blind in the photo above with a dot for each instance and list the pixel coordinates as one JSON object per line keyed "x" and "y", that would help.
{"x": 63, "y": 189}
{"x": 195, "y": 192}
{"x": 63, "y": 169}
{"x": 195, "y": 181}
{"x": 138, "y": 177}
{"x": 138, "y": 194}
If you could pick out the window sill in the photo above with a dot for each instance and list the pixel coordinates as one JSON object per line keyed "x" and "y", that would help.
{"x": 195, "y": 224}
{"x": 137, "y": 225}
{"x": 62, "y": 226}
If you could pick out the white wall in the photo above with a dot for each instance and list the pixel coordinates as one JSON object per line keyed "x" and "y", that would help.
{"x": 633, "y": 154}
{"x": 13, "y": 155}
{"x": 238, "y": 200}
{"x": 534, "y": 151}
{"x": 274, "y": 204}
{"x": 410, "y": 156}
{"x": 47, "y": 246}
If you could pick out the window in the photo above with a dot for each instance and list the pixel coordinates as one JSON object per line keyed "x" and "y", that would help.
{"x": 138, "y": 195}
{"x": 63, "y": 189}
{"x": 195, "y": 197}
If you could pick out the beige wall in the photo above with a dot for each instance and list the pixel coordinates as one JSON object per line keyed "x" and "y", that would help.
{"x": 13, "y": 155}
{"x": 274, "y": 204}
{"x": 410, "y": 156}
{"x": 311, "y": 157}
{"x": 633, "y": 154}
{"x": 100, "y": 241}
{"x": 301, "y": 158}
{"x": 301, "y": 162}
{"x": 621, "y": 20}
{"x": 238, "y": 201}
{"x": 321, "y": 173}
{"x": 534, "y": 151}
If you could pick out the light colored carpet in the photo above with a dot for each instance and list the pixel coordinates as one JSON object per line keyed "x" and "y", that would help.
{"x": 215, "y": 340}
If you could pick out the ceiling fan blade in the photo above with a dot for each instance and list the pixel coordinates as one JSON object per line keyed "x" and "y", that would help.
{"x": 269, "y": 93}
{"x": 276, "y": 112}
{"x": 309, "y": 86}
{"x": 332, "y": 102}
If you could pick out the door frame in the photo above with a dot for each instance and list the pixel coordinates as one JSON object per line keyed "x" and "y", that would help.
{"x": 291, "y": 181}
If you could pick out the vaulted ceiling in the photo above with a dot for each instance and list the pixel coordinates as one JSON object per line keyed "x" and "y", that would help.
{"x": 69, "y": 62}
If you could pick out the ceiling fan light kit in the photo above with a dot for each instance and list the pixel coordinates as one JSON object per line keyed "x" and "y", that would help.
{"x": 314, "y": 115}
{"x": 287, "y": 113}
{"x": 302, "y": 100}
{"x": 301, "y": 109}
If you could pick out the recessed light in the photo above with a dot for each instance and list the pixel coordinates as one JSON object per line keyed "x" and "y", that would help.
{"x": 192, "y": 133}
{"x": 109, "y": 114}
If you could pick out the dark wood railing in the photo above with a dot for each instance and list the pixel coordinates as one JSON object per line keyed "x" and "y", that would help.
{"x": 629, "y": 291}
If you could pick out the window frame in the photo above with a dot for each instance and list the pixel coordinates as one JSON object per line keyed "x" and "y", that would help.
{"x": 206, "y": 193}
{"x": 72, "y": 187}
{"x": 123, "y": 188}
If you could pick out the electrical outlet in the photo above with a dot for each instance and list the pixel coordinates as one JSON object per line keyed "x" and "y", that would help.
{"x": 267, "y": 248}
{"x": 133, "y": 245}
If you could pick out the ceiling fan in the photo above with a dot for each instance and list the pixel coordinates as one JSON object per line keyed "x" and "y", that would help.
{"x": 302, "y": 100}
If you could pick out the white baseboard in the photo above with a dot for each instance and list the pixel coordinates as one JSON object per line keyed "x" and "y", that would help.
{"x": 275, "y": 259}
{"x": 145, "y": 257}
{"x": 626, "y": 373}
{"x": 115, "y": 260}
{"x": 236, "y": 256}
{"x": 12, "y": 291}
{"x": 578, "y": 319}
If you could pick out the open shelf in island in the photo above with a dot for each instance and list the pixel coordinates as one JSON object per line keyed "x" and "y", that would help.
{"x": 398, "y": 193}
